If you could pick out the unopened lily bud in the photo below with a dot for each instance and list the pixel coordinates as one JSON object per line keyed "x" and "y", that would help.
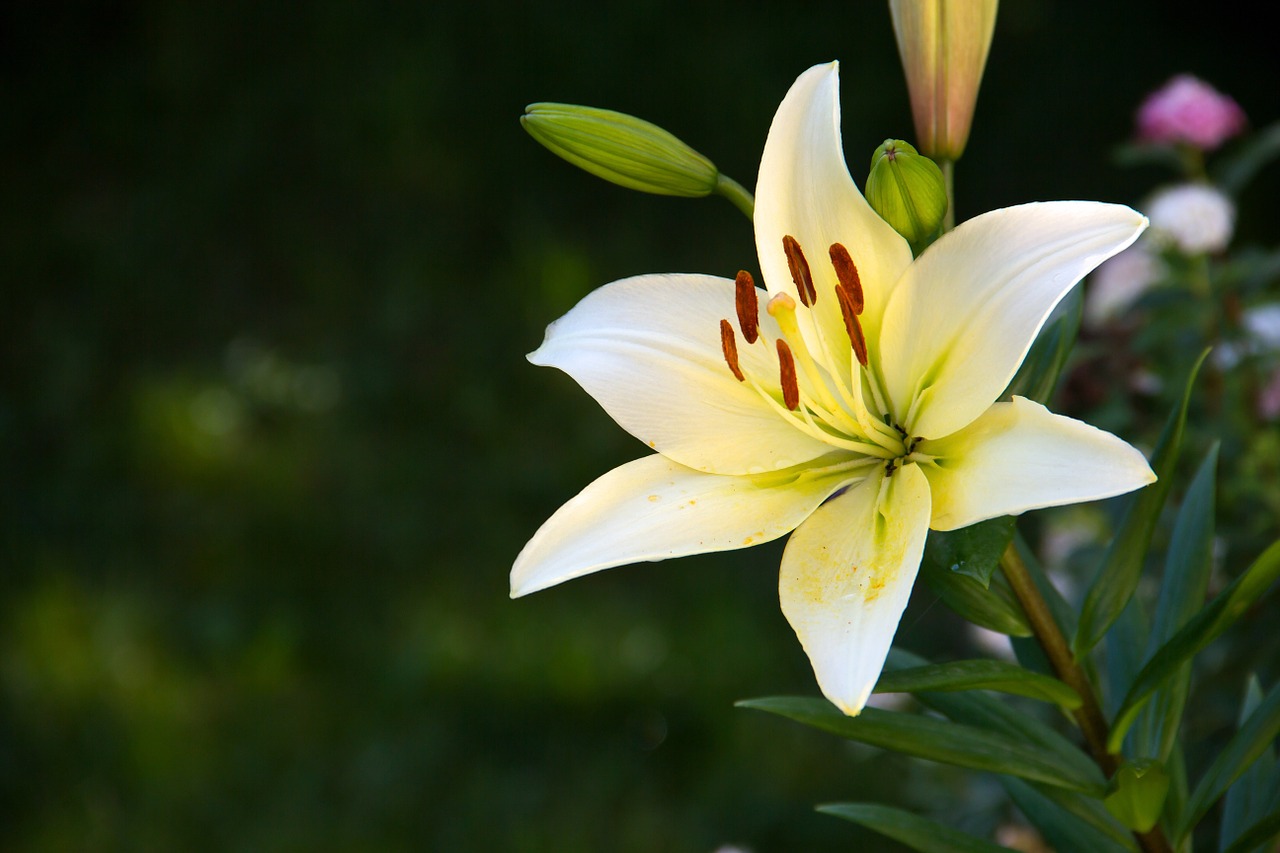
{"x": 1137, "y": 792}
{"x": 622, "y": 149}
{"x": 907, "y": 190}
{"x": 944, "y": 46}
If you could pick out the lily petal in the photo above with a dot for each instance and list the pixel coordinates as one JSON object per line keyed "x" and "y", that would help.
{"x": 1020, "y": 456}
{"x": 846, "y": 577}
{"x": 804, "y": 191}
{"x": 654, "y": 509}
{"x": 964, "y": 315}
{"x": 648, "y": 350}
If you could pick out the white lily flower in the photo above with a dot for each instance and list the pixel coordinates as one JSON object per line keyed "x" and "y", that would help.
{"x": 855, "y": 412}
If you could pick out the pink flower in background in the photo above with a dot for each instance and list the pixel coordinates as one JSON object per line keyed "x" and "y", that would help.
{"x": 1189, "y": 110}
{"x": 1269, "y": 398}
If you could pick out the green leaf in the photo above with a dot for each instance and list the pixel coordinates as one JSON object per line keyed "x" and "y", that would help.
{"x": 1060, "y": 827}
{"x": 973, "y": 551}
{"x": 988, "y": 712}
{"x": 1251, "y": 797}
{"x": 1182, "y": 593}
{"x": 1118, "y": 575}
{"x": 1042, "y": 367}
{"x": 1203, "y": 629}
{"x": 957, "y": 566}
{"x": 936, "y": 740}
{"x": 1251, "y": 741}
{"x": 1126, "y": 648}
{"x": 918, "y": 833}
{"x": 978, "y": 675}
{"x": 1257, "y": 835}
{"x": 1089, "y": 810}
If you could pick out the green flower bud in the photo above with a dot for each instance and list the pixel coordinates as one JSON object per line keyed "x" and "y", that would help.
{"x": 1136, "y": 793}
{"x": 907, "y": 190}
{"x": 621, "y": 149}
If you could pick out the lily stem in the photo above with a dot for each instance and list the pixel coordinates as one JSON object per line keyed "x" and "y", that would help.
{"x": 737, "y": 194}
{"x": 1089, "y": 716}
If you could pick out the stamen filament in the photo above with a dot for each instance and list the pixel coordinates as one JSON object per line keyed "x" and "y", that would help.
{"x": 783, "y": 309}
{"x": 803, "y": 422}
{"x": 876, "y": 431}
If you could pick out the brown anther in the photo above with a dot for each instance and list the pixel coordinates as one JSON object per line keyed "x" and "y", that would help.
{"x": 799, "y": 271}
{"x": 748, "y": 306}
{"x": 730, "y": 347}
{"x": 848, "y": 275}
{"x": 852, "y": 325}
{"x": 787, "y": 373}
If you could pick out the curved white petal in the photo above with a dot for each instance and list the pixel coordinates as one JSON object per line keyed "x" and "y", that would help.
{"x": 966, "y": 312}
{"x": 648, "y": 350}
{"x": 804, "y": 190}
{"x": 1020, "y": 456}
{"x": 653, "y": 509}
{"x": 846, "y": 577}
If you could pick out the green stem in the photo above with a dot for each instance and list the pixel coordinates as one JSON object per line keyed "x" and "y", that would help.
{"x": 1089, "y": 716}
{"x": 737, "y": 194}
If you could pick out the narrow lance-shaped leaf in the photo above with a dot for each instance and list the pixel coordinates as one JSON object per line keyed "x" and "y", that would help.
{"x": 1126, "y": 650}
{"x": 936, "y": 740}
{"x": 978, "y": 675}
{"x": 1253, "y": 738}
{"x": 1206, "y": 626}
{"x": 1118, "y": 575}
{"x": 1257, "y": 835}
{"x": 918, "y": 833}
{"x": 987, "y": 712}
{"x": 1182, "y": 594}
{"x": 1251, "y": 797}
{"x": 1060, "y": 827}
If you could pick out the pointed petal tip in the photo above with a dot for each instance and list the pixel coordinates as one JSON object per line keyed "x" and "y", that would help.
{"x": 852, "y": 708}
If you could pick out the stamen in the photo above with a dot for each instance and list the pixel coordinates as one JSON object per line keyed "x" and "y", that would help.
{"x": 730, "y": 347}
{"x": 799, "y": 271}
{"x": 748, "y": 306}
{"x": 848, "y": 275}
{"x": 787, "y": 371}
{"x": 852, "y": 326}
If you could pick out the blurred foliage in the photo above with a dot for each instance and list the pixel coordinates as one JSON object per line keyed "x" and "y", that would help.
{"x": 270, "y": 444}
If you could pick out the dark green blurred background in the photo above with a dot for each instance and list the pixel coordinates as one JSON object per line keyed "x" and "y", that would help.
{"x": 270, "y": 443}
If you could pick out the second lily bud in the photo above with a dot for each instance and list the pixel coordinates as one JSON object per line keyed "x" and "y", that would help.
{"x": 909, "y": 192}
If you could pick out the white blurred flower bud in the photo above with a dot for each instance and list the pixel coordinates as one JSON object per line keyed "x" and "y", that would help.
{"x": 1262, "y": 324}
{"x": 1119, "y": 282}
{"x": 1195, "y": 217}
